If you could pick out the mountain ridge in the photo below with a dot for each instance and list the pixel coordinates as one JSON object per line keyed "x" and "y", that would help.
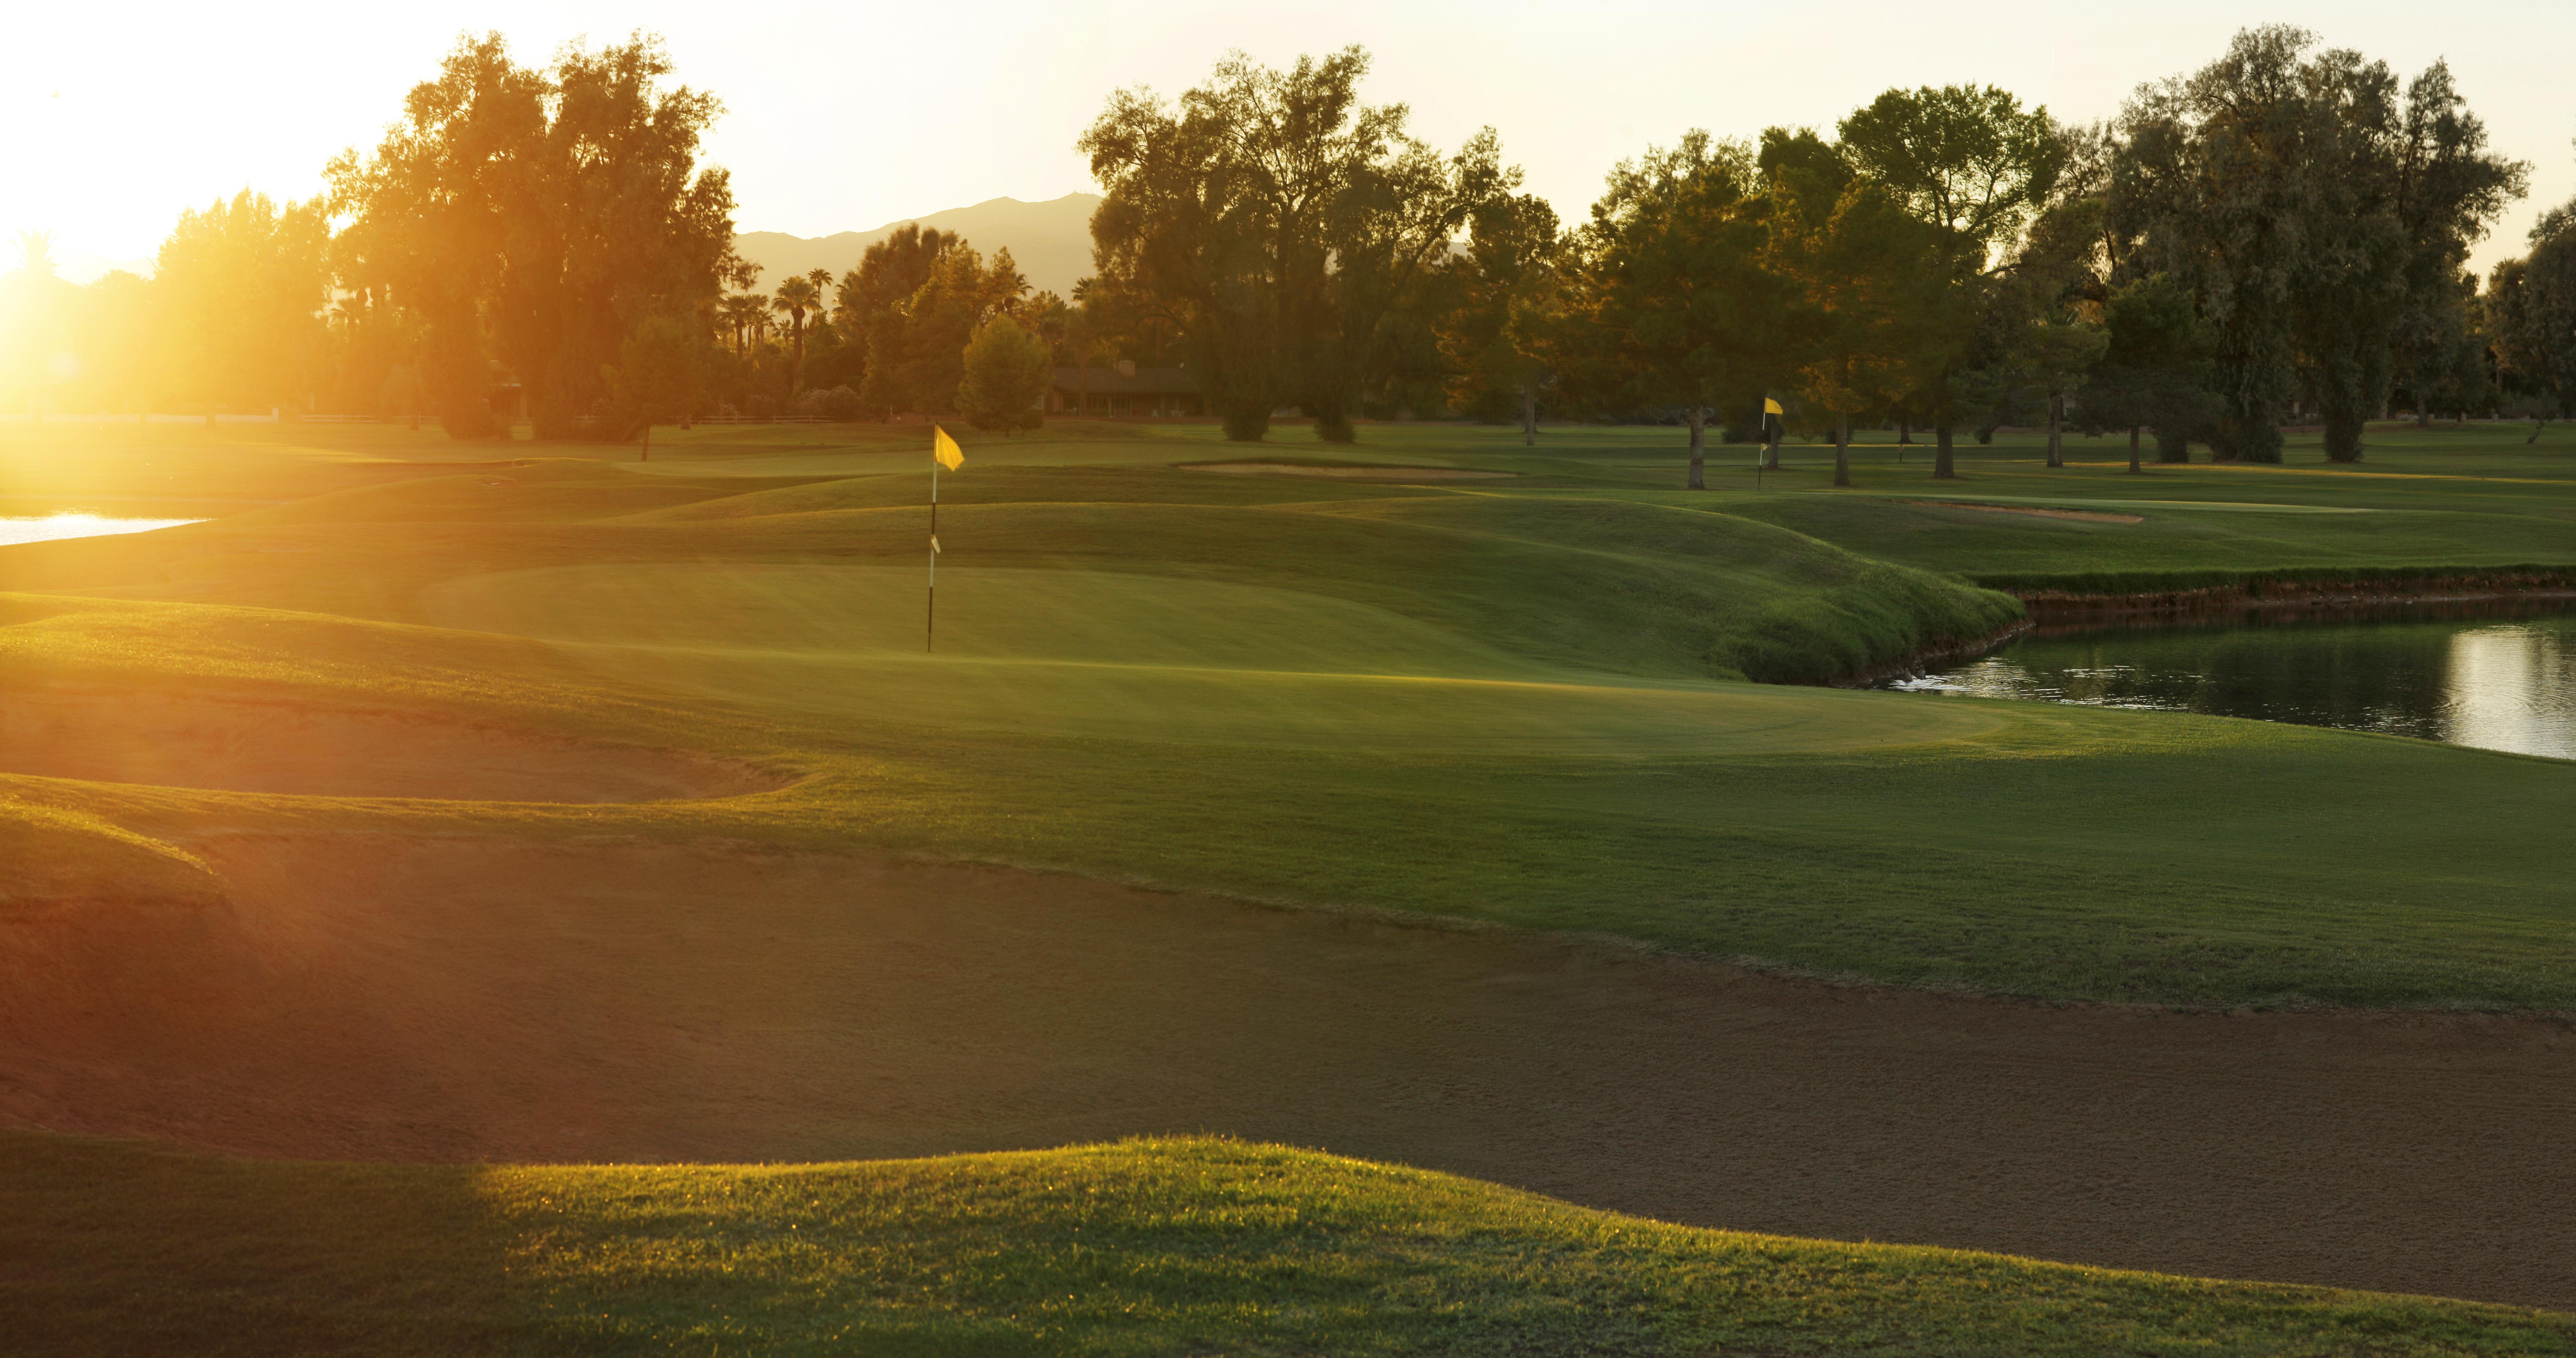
{"x": 1050, "y": 240}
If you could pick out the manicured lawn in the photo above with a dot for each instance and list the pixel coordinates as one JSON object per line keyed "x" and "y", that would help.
{"x": 1521, "y": 705}
{"x": 1520, "y": 700}
{"x": 1144, "y": 1247}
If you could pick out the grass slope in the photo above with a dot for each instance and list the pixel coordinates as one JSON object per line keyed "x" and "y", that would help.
{"x": 1516, "y": 707}
{"x": 1142, "y": 1247}
{"x": 1519, "y": 702}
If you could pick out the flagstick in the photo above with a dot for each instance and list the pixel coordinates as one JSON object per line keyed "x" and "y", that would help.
{"x": 930, "y": 604}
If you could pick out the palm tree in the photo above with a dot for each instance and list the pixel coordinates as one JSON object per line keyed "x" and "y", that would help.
{"x": 36, "y": 254}
{"x": 795, "y": 296}
{"x": 743, "y": 312}
{"x": 822, "y": 281}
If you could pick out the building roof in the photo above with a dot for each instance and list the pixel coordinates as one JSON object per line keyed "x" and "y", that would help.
{"x": 1139, "y": 382}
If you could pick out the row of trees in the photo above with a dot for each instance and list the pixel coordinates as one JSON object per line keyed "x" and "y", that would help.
{"x": 236, "y": 314}
{"x": 2286, "y": 228}
{"x": 2282, "y": 234}
{"x": 538, "y": 234}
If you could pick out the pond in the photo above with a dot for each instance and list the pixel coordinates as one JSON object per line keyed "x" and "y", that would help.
{"x": 2496, "y": 676}
{"x": 57, "y": 526}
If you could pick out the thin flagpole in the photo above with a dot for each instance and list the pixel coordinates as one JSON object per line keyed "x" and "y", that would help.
{"x": 930, "y": 602}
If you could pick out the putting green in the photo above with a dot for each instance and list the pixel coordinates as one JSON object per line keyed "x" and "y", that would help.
{"x": 1137, "y": 657}
{"x": 2141, "y": 506}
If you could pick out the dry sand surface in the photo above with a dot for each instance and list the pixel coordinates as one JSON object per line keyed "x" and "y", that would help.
{"x": 299, "y": 748}
{"x": 454, "y": 999}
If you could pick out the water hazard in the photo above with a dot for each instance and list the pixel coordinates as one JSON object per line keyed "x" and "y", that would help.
{"x": 56, "y": 526}
{"x": 2498, "y": 677}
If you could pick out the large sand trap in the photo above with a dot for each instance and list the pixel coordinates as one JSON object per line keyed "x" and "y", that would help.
{"x": 1345, "y": 473}
{"x": 455, "y": 1000}
{"x": 184, "y": 741}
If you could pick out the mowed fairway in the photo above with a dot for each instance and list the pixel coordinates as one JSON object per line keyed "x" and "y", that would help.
{"x": 702, "y": 729}
{"x": 1136, "y": 658}
{"x": 1520, "y": 705}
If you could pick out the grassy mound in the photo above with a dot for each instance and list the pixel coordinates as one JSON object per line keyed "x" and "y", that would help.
{"x": 58, "y": 857}
{"x": 1518, "y": 706}
{"x": 1141, "y": 1247}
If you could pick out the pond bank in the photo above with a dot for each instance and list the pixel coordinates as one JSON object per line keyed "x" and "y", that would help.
{"x": 1924, "y": 657}
{"x": 2080, "y": 598}
{"x": 2211, "y": 591}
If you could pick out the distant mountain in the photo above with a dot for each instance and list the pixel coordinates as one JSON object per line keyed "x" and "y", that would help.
{"x": 1050, "y": 241}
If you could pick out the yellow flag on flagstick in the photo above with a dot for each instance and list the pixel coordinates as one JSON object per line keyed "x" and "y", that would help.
{"x": 1769, "y": 407}
{"x": 945, "y": 449}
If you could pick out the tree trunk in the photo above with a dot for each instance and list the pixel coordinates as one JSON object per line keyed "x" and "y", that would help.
{"x": 2134, "y": 469}
{"x": 1529, "y": 418}
{"x": 1943, "y": 469}
{"x": 2538, "y": 423}
{"x": 1698, "y": 448}
{"x": 1904, "y": 432}
{"x": 2056, "y": 451}
{"x": 1842, "y": 449}
{"x": 1771, "y": 446}
{"x": 2343, "y": 436}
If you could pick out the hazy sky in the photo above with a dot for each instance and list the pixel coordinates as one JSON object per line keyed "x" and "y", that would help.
{"x": 846, "y": 115}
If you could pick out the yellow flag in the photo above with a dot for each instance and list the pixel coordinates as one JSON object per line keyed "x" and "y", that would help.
{"x": 945, "y": 449}
{"x": 1769, "y": 407}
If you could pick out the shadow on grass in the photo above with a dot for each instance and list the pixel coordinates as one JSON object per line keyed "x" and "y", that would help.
{"x": 118, "y": 1248}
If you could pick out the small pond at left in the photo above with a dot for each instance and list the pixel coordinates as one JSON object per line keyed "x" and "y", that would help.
{"x": 54, "y": 526}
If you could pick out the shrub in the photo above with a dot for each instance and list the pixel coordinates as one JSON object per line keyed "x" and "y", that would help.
{"x": 1006, "y": 377}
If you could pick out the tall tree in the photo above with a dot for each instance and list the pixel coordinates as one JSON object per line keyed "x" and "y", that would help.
{"x": 2531, "y": 311}
{"x": 1280, "y": 222}
{"x": 659, "y": 376}
{"x": 1874, "y": 318}
{"x": 2059, "y": 355}
{"x": 2152, "y": 371}
{"x": 1971, "y": 162}
{"x": 796, "y": 296}
{"x": 535, "y": 217}
{"x": 1005, "y": 377}
{"x": 916, "y": 348}
{"x": 2311, "y": 204}
{"x": 240, "y": 291}
{"x": 1678, "y": 298}
{"x": 1506, "y": 278}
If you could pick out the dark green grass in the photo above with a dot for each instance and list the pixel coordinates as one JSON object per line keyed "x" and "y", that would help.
{"x": 1146, "y": 1247}
{"x": 2011, "y": 848}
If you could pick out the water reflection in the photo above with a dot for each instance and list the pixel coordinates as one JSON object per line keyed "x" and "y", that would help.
{"x": 2500, "y": 677}
{"x": 55, "y": 526}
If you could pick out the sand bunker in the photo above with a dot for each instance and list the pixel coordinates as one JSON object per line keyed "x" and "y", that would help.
{"x": 456, "y": 999}
{"x": 1346, "y": 473}
{"x": 2035, "y": 511}
{"x": 180, "y": 741}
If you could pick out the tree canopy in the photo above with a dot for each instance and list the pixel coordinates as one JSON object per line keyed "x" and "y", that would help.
{"x": 535, "y": 217}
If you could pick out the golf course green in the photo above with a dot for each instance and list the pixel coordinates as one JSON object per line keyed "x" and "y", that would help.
{"x": 1569, "y": 697}
{"x": 1521, "y": 701}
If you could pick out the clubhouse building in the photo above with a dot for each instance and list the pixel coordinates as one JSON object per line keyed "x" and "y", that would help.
{"x": 1125, "y": 390}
